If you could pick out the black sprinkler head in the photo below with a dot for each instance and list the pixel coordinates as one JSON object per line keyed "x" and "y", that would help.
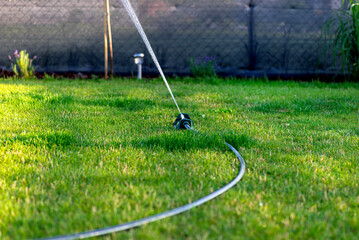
{"x": 182, "y": 120}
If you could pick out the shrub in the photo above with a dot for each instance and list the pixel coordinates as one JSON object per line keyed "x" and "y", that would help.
{"x": 204, "y": 67}
{"x": 23, "y": 64}
{"x": 346, "y": 35}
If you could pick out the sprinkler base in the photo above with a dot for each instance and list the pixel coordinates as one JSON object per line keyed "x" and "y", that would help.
{"x": 182, "y": 120}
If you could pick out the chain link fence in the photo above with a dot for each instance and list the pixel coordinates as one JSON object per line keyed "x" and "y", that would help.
{"x": 247, "y": 37}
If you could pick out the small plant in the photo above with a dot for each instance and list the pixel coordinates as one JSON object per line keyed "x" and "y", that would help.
{"x": 23, "y": 64}
{"x": 346, "y": 38}
{"x": 204, "y": 67}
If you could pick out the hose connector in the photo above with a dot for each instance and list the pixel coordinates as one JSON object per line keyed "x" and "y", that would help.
{"x": 182, "y": 120}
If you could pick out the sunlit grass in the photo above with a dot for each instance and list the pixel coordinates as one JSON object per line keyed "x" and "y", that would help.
{"x": 78, "y": 155}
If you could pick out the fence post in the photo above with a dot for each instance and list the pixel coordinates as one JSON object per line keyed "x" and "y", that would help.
{"x": 109, "y": 33}
{"x": 105, "y": 37}
{"x": 251, "y": 37}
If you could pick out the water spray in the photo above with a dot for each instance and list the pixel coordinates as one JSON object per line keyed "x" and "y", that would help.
{"x": 140, "y": 30}
{"x": 183, "y": 121}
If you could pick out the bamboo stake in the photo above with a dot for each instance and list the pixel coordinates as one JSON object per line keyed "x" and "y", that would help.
{"x": 109, "y": 34}
{"x": 105, "y": 39}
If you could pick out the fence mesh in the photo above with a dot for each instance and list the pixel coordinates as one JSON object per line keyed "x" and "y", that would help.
{"x": 271, "y": 36}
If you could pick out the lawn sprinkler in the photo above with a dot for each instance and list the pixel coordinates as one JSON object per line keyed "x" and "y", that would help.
{"x": 139, "y": 59}
{"x": 182, "y": 120}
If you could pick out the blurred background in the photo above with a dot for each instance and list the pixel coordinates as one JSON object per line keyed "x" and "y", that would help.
{"x": 273, "y": 37}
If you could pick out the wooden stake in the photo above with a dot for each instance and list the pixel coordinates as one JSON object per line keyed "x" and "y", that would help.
{"x": 109, "y": 33}
{"x": 105, "y": 39}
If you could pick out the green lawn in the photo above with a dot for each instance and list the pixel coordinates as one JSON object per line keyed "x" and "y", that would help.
{"x": 77, "y": 155}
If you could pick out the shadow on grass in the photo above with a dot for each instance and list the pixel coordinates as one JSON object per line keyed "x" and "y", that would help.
{"x": 184, "y": 141}
{"x": 38, "y": 97}
{"x": 55, "y": 99}
{"x": 60, "y": 139}
{"x": 126, "y": 103}
{"x": 47, "y": 97}
{"x": 332, "y": 105}
{"x": 179, "y": 141}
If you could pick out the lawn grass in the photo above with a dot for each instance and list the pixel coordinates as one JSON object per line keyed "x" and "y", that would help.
{"x": 77, "y": 155}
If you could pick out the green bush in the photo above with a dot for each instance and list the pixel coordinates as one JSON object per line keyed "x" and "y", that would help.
{"x": 345, "y": 25}
{"x": 204, "y": 67}
{"x": 23, "y": 65}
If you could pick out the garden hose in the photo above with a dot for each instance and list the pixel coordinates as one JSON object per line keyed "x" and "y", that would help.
{"x": 170, "y": 213}
{"x": 183, "y": 121}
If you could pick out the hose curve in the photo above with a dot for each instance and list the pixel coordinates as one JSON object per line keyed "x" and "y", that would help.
{"x": 170, "y": 213}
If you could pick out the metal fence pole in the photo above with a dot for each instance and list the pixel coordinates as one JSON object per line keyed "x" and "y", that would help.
{"x": 251, "y": 37}
{"x": 109, "y": 33}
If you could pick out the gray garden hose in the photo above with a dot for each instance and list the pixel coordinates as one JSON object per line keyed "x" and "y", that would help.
{"x": 170, "y": 213}
{"x": 173, "y": 212}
